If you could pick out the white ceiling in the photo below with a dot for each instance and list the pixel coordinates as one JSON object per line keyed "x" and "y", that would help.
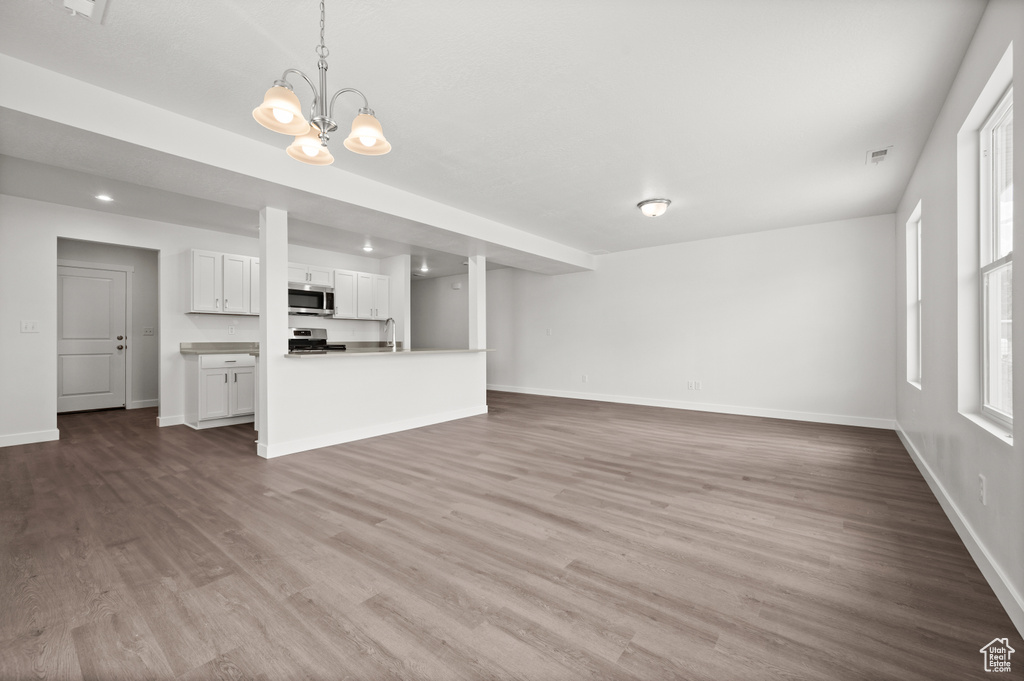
{"x": 556, "y": 118}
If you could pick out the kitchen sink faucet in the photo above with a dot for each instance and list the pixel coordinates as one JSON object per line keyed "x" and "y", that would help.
{"x": 390, "y": 321}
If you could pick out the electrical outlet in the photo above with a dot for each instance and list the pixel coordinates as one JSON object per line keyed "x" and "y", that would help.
{"x": 231, "y": 330}
{"x": 548, "y": 331}
{"x": 689, "y": 385}
{"x": 29, "y": 326}
{"x": 982, "y": 492}
{"x": 148, "y": 331}
{"x": 584, "y": 378}
{"x": 696, "y": 385}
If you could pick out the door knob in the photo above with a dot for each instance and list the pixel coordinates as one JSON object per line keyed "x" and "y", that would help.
{"x": 120, "y": 338}
{"x": 120, "y": 347}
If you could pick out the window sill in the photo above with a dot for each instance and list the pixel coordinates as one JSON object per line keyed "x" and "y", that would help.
{"x": 997, "y": 430}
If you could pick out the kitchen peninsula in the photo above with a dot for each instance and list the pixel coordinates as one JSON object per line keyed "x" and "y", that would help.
{"x": 362, "y": 391}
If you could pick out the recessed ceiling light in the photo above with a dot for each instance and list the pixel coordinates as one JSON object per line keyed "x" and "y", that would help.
{"x": 368, "y": 248}
{"x": 103, "y": 197}
{"x": 652, "y": 208}
{"x": 424, "y": 268}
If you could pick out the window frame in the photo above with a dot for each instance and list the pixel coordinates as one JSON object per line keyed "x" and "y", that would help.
{"x": 915, "y": 317}
{"x": 989, "y": 251}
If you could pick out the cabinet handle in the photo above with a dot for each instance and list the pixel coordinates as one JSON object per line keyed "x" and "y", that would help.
{"x": 225, "y": 378}
{"x": 216, "y": 302}
{"x": 236, "y": 378}
{"x": 120, "y": 347}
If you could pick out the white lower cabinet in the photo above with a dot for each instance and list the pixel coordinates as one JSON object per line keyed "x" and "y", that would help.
{"x": 220, "y": 390}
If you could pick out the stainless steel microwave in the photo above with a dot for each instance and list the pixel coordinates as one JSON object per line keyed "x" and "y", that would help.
{"x": 310, "y": 299}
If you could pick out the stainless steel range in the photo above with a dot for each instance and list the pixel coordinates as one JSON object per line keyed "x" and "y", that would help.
{"x": 311, "y": 342}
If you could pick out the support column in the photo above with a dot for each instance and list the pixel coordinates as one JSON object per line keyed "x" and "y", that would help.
{"x": 477, "y": 302}
{"x": 273, "y": 318}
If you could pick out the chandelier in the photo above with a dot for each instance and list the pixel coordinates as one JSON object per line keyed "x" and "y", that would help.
{"x": 282, "y": 112}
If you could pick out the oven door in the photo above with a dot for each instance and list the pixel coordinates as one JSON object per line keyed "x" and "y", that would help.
{"x": 309, "y": 299}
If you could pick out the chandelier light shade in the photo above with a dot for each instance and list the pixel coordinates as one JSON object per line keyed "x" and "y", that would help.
{"x": 366, "y": 136}
{"x": 281, "y": 112}
{"x": 653, "y": 208}
{"x": 308, "y": 148}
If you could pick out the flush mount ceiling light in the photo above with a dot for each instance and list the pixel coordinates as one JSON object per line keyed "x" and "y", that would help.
{"x": 368, "y": 248}
{"x": 653, "y": 208}
{"x": 104, "y": 197}
{"x": 282, "y": 112}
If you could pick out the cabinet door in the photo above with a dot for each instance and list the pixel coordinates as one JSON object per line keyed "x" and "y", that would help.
{"x": 321, "y": 276}
{"x": 254, "y": 287}
{"x": 345, "y": 294}
{"x": 299, "y": 273}
{"x": 207, "y": 279}
{"x": 382, "y": 296}
{"x": 236, "y": 283}
{"x": 214, "y": 402}
{"x": 243, "y": 391}
{"x": 364, "y": 295}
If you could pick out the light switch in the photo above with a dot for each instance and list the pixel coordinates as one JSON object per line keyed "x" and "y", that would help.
{"x": 147, "y": 331}
{"x": 29, "y": 326}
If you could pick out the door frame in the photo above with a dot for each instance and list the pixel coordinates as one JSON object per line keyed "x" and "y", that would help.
{"x": 129, "y": 271}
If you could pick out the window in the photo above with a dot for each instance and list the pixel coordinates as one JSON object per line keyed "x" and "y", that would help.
{"x": 914, "y": 297}
{"x": 996, "y": 271}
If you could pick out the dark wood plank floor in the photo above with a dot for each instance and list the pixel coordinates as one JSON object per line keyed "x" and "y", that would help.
{"x": 551, "y": 539}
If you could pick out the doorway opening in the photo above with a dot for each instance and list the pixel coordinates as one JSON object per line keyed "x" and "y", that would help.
{"x": 107, "y": 338}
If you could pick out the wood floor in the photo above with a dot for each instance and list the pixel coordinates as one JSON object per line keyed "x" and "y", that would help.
{"x": 550, "y": 539}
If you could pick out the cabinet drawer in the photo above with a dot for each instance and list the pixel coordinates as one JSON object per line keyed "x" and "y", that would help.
{"x": 226, "y": 361}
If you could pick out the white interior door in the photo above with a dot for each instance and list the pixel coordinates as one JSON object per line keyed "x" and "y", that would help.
{"x": 91, "y": 338}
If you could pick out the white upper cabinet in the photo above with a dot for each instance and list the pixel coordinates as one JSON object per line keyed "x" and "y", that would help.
{"x": 364, "y": 288}
{"x": 310, "y": 274}
{"x": 298, "y": 273}
{"x": 254, "y": 287}
{"x": 361, "y": 295}
{"x": 207, "y": 281}
{"x": 321, "y": 276}
{"x": 345, "y": 294}
{"x": 237, "y": 272}
{"x": 381, "y": 296}
{"x": 222, "y": 283}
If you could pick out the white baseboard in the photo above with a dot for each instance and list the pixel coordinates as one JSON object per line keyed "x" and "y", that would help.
{"x": 1008, "y": 596}
{"x": 339, "y": 437}
{"x": 28, "y": 438}
{"x": 143, "y": 404}
{"x": 162, "y": 421}
{"x": 217, "y": 423}
{"x": 862, "y": 421}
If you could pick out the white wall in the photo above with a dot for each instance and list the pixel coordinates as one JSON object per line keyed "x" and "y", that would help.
{"x": 440, "y": 312}
{"x": 28, "y": 278}
{"x": 951, "y": 448}
{"x": 794, "y": 323}
{"x": 145, "y": 310}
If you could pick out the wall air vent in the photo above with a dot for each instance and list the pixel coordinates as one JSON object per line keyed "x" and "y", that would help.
{"x": 91, "y": 10}
{"x": 877, "y": 155}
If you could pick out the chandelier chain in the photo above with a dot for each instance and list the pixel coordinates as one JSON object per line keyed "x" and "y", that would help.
{"x": 321, "y": 49}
